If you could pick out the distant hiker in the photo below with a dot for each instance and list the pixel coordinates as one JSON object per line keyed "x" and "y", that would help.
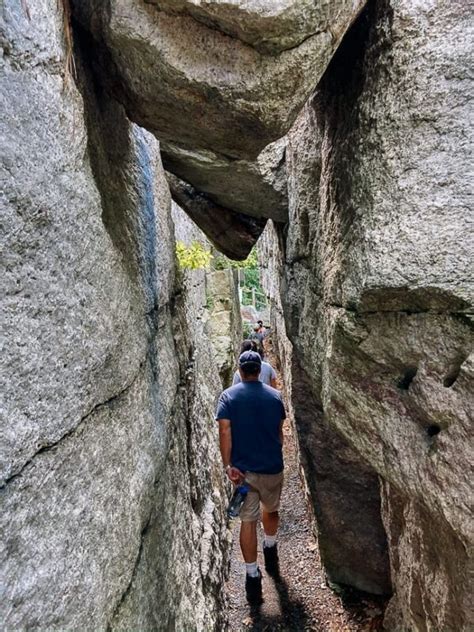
{"x": 247, "y": 345}
{"x": 267, "y": 372}
{"x": 250, "y": 417}
{"x": 257, "y": 337}
{"x": 263, "y": 332}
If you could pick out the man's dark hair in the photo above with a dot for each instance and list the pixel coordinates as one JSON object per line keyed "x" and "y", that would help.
{"x": 260, "y": 322}
{"x": 248, "y": 345}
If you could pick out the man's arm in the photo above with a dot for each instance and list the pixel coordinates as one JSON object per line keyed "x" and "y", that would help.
{"x": 273, "y": 378}
{"x": 225, "y": 441}
{"x": 225, "y": 444}
{"x": 283, "y": 417}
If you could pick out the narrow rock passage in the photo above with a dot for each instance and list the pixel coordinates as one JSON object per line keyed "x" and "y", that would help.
{"x": 301, "y": 600}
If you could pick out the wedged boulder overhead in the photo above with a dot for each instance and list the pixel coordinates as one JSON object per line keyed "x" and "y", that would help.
{"x": 203, "y": 88}
{"x": 269, "y": 26}
{"x": 255, "y": 188}
{"x": 234, "y": 234}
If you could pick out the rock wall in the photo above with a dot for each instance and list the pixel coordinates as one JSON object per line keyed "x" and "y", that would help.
{"x": 374, "y": 291}
{"x": 225, "y": 322}
{"x": 111, "y": 492}
{"x": 343, "y": 489}
{"x": 220, "y": 304}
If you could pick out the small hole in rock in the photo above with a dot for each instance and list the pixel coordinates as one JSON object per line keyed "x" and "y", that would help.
{"x": 452, "y": 376}
{"x": 407, "y": 378}
{"x": 433, "y": 430}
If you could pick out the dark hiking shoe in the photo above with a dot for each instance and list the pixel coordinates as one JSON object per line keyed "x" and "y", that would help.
{"x": 270, "y": 553}
{"x": 253, "y": 588}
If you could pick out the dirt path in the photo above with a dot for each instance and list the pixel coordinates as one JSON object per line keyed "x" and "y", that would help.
{"x": 301, "y": 600}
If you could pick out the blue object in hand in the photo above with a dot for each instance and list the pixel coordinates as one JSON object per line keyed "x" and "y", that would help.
{"x": 237, "y": 500}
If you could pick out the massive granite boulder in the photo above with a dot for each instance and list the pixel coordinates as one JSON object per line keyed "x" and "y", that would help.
{"x": 217, "y": 83}
{"x": 375, "y": 292}
{"x": 204, "y": 88}
{"x": 269, "y": 27}
{"x": 112, "y": 494}
{"x": 251, "y": 188}
{"x": 234, "y": 234}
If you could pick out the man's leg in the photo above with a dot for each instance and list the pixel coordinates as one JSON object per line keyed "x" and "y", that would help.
{"x": 248, "y": 541}
{"x": 270, "y": 551}
{"x": 249, "y": 515}
{"x": 270, "y": 522}
{"x": 253, "y": 578}
{"x": 270, "y": 518}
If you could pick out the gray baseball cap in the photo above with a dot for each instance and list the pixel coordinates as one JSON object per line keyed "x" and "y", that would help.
{"x": 250, "y": 357}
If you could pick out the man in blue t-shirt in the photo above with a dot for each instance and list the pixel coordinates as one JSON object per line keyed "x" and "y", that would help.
{"x": 250, "y": 416}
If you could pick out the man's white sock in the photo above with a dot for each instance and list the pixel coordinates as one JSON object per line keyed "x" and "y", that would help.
{"x": 252, "y": 569}
{"x": 269, "y": 540}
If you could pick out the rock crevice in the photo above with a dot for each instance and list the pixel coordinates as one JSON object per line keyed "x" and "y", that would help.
{"x": 346, "y": 128}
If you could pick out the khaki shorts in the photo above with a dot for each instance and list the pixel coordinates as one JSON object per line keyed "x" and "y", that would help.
{"x": 265, "y": 489}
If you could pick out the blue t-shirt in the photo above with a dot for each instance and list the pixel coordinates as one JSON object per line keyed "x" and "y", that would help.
{"x": 255, "y": 411}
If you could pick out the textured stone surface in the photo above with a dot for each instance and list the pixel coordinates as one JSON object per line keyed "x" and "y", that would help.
{"x": 225, "y": 322}
{"x": 344, "y": 491}
{"x": 393, "y": 402}
{"x": 190, "y": 74}
{"x": 111, "y": 487}
{"x": 234, "y": 234}
{"x": 218, "y": 290}
{"x": 398, "y": 237}
{"x": 270, "y": 27}
{"x": 111, "y": 520}
{"x": 253, "y": 188}
{"x": 50, "y": 311}
{"x": 201, "y": 88}
{"x": 376, "y": 287}
{"x": 397, "y": 376}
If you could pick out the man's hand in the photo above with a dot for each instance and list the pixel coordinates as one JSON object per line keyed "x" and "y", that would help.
{"x": 225, "y": 441}
{"x": 235, "y": 475}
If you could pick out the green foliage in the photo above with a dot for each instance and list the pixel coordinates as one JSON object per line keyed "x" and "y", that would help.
{"x": 221, "y": 262}
{"x": 247, "y": 329}
{"x": 249, "y": 267}
{"x": 193, "y": 257}
{"x": 249, "y": 276}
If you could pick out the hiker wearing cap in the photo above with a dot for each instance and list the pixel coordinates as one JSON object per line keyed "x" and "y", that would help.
{"x": 267, "y": 372}
{"x": 257, "y": 337}
{"x": 250, "y": 416}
